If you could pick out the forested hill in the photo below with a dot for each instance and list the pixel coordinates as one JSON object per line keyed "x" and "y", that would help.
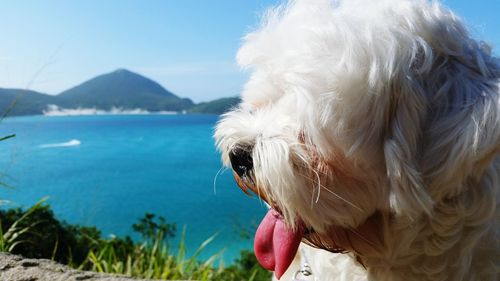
{"x": 121, "y": 89}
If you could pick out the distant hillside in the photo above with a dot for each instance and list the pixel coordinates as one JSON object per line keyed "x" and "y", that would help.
{"x": 125, "y": 89}
{"x": 23, "y": 102}
{"x": 121, "y": 89}
{"x": 218, "y": 106}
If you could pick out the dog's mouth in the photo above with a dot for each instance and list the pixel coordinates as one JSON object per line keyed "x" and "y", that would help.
{"x": 276, "y": 244}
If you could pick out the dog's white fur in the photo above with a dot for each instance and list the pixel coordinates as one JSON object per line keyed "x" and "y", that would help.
{"x": 388, "y": 107}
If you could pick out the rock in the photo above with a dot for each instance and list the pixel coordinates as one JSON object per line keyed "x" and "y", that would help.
{"x": 16, "y": 268}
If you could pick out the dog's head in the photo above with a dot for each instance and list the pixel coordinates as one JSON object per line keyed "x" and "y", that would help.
{"x": 357, "y": 110}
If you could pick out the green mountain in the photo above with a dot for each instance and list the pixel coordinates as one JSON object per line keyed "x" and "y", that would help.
{"x": 218, "y": 106}
{"x": 125, "y": 89}
{"x": 23, "y": 102}
{"x": 119, "y": 89}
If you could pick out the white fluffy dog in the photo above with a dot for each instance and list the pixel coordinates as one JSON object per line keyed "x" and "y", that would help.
{"x": 371, "y": 128}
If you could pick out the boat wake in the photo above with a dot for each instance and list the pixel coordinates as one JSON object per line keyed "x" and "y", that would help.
{"x": 73, "y": 142}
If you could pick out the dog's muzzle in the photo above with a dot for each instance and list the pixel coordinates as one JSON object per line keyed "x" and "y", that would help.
{"x": 243, "y": 171}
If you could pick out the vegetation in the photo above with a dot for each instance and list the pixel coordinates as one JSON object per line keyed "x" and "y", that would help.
{"x": 218, "y": 106}
{"x": 23, "y": 102}
{"x": 36, "y": 233}
{"x": 120, "y": 89}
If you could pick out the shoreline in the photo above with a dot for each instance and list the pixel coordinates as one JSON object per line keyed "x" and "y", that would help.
{"x": 54, "y": 110}
{"x": 151, "y": 113}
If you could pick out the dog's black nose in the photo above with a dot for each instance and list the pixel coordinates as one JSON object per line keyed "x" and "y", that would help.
{"x": 241, "y": 161}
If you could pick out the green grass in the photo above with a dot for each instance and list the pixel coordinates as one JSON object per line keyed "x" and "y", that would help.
{"x": 153, "y": 259}
{"x": 36, "y": 233}
{"x": 3, "y": 139}
{"x": 12, "y": 237}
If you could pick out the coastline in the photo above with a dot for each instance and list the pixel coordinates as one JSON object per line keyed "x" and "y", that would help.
{"x": 54, "y": 110}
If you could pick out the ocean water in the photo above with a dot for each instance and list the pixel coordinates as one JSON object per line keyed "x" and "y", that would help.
{"x": 107, "y": 171}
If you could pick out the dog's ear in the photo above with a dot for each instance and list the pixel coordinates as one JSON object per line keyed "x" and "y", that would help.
{"x": 405, "y": 117}
{"x": 462, "y": 134}
{"x": 442, "y": 128}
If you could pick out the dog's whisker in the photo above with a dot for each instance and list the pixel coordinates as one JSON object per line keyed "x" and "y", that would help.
{"x": 221, "y": 170}
{"x": 319, "y": 188}
{"x": 334, "y": 193}
{"x": 342, "y": 198}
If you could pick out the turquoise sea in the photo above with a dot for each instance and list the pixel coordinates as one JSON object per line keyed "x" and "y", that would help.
{"x": 107, "y": 171}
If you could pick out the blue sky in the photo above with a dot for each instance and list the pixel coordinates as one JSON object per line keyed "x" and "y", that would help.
{"x": 188, "y": 46}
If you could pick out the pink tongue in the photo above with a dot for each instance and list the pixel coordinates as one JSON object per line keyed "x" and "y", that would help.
{"x": 275, "y": 246}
